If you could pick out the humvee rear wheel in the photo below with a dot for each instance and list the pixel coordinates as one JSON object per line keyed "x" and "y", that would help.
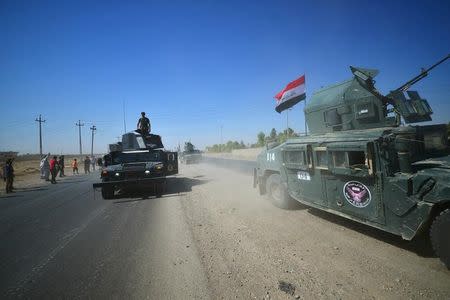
{"x": 107, "y": 192}
{"x": 439, "y": 236}
{"x": 278, "y": 194}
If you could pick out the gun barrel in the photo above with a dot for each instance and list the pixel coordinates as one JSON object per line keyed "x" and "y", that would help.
{"x": 422, "y": 75}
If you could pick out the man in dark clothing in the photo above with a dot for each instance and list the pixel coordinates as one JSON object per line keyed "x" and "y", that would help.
{"x": 53, "y": 168}
{"x": 144, "y": 124}
{"x": 61, "y": 166}
{"x": 87, "y": 165}
{"x": 8, "y": 176}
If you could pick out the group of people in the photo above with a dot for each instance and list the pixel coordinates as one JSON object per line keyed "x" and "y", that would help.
{"x": 51, "y": 168}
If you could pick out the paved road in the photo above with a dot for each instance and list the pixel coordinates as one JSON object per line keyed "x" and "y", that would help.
{"x": 211, "y": 236}
{"x": 63, "y": 241}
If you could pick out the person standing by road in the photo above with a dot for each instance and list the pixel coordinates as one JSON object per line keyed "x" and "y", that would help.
{"x": 61, "y": 166}
{"x": 53, "y": 168}
{"x": 74, "y": 166}
{"x": 144, "y": 124}
{"x": 8, "y": 176}
{"x": 45, "y": 168}
{"x": 87, "y": 164}
{"x": 93, "y": 160}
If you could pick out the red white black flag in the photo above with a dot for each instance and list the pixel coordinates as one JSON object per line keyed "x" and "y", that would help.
{"x": 292, "y": 94}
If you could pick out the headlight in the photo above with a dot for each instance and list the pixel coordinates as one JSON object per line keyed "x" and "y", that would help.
{"x": 147, "y": 172}
{"x": 159, "y": 167}
{"x": 117, "y": 174}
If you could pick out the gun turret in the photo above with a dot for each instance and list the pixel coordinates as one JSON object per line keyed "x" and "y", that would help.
{"x": 357, "y": 104}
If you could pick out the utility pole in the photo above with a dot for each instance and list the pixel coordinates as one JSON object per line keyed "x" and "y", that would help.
{"x": 79, "y": 134}
{"x": 221, "y": 142}
{"x": 93, "y": 128}
{"x": 40, "y": 134}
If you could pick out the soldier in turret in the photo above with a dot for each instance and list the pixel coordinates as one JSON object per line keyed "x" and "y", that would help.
{"x": 144, "y": 124}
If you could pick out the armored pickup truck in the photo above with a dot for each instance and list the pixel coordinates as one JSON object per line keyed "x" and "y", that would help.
{"x": 365, "y": 160}
{"x": 138, "y": 161}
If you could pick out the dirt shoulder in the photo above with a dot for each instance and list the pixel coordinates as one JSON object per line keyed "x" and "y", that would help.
{"x": 27, "y": 174}
{"x": 252, "y": 250}
{"x": 241, "y": 154}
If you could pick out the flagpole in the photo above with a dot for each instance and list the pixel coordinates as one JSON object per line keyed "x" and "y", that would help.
{"x": 287, "y": 122}
{"x": 304, "y": 115}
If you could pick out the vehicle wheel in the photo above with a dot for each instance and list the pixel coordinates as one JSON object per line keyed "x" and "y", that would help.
{"x": 107, "y": 192}
{"x": 278, "y": 194}
{"x": 160, "y": 189}
{"x": 439, "y": 236}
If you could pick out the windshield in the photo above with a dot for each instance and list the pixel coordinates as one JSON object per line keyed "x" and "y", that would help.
{"x": 123, "y": 158}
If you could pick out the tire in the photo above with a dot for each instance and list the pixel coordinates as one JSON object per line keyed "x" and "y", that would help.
{"x": 278, "y": 194}
{"x": 107, "y": 192}
{"x": 439, "y": 236}
{"x": 160, "y": 189}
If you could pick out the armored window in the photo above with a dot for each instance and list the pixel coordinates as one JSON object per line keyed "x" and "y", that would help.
{"x": 357, "y": 159}
{"x": 332, "y": 117}
{"x": 321, "y": 158}
{"x": 339, "y": 159}
{"x": 295, "y": 157}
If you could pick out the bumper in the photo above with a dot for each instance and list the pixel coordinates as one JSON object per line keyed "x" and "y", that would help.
{"x": 127, "y": 182}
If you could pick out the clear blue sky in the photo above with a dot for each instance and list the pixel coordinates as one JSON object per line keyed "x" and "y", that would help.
{"x": 195, "y": 66}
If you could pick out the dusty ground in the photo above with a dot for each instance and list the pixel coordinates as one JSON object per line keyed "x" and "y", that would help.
{"x": 244, "y": 154}
{"x": 251, "y": 249}
{"x": 211, "y": 236}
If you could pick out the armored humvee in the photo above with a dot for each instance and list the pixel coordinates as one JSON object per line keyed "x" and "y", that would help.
{"x": 364, "y": 160}
{"x": 138, "y": 161}
{"x": 190, "y": 155}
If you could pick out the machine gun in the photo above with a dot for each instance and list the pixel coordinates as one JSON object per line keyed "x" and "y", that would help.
{"x": 422, "y": 75}
{"x": 415, "y": 109}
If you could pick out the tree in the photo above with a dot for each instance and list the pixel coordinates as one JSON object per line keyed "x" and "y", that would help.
{"x": 273, "y": 134}
{"x": 261, "y": 139}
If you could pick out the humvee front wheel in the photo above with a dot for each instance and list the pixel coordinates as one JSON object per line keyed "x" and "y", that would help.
{"x": 439, "y": 236}
{"x": 107, "y": 192}
{"x": 278, "y": 194}
{"x": 160, "y": 189}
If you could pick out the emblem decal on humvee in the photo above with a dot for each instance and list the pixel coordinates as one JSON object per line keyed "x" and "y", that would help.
{"x": 357, "y": 194}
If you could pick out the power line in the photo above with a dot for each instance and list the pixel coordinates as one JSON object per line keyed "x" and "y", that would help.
{"x": 40, "y": 133}
{"x": 79, "y": 134}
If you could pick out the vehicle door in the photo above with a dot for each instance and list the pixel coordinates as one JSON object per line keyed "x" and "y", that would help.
{"x": 171, "y": 162}
{"x": 304, "y": 182}
{"x": 353, "y": 186}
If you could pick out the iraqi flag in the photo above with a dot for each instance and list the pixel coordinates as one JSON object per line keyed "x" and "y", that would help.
{"x": 292, "y": 94}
